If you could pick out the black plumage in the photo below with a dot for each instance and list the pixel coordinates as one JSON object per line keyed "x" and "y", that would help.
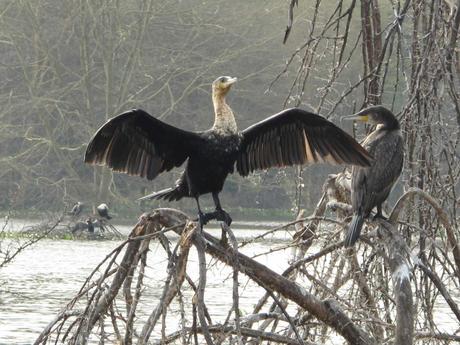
{"x": 138, "y": 144}
{"x": 90, "y": 226}
{"x": 370, "y": 186}
{"x": 76, "y": 209}
{"x": 103, "y": 211}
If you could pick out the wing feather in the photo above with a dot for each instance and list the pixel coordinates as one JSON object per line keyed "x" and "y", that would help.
{"x": 309, "y": 153}
{"x": 295, "y": 136}
{"x": 300, "y": 146}
{"x": 272, "y": 159}
{"x": 275, "y": 152}
{"x": 138, "y": 144}
{"x": 279, "y": 152}
{"x": 244, "y": 160}
{"x": 258, "y": 151}
{"x": 284, "y": 146}
{"x": 295, "y": 146}
{"x": 264, "y": 151}
{"x": 291, "y": 144}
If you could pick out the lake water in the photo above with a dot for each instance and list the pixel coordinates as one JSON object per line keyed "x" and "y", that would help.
{"x": 44, "y": 278}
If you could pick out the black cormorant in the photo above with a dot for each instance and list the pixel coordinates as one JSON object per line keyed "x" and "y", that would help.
{"x": 90, "y": 225}
{"x": 79, "y": 226}
{"x": 76, "y": 209}
{"x": 103, "y": 211}
{"x": 136, "y": 143}
{"x": 370, "y": 186}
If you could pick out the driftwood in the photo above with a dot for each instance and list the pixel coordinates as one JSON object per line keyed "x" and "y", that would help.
{"x": 334, "y": 290}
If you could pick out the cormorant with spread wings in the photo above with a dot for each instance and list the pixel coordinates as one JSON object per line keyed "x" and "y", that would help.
{"x": 137, "y": 143}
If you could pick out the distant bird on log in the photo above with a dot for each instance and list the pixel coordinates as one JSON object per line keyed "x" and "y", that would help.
{"x": 90, "y": 226}
{"x": 79, "y": 226}
{"x": 136, "y": 143}
{"x": 370, "y": 186}
{"x": 103, "y": 211}
{"x": 76, "y": 209}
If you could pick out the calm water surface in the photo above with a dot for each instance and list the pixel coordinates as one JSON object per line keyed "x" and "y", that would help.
{"x": 44, "y": 278}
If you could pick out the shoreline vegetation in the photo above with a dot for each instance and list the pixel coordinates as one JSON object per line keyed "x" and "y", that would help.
{"x": 30, "y": 224}
{"x": 128, "y": 216}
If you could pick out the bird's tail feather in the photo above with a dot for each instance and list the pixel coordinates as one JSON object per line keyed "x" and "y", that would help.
{"x": 354, "y": 230}
{"x": 168, "y": 194}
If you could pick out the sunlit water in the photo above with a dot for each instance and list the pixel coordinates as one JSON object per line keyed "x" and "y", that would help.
{"x": 43, "y": 279}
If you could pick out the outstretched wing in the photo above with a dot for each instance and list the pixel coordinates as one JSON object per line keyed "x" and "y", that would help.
{"x": 295, "y": 136}
{"x": 138, "y": 144}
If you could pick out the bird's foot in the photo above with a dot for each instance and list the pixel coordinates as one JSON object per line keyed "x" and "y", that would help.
{"x": 379, "y": 216}
{"x": 204, "y": 218}
{"x": 223, "y": 216}
{"x": 218, "y": 214}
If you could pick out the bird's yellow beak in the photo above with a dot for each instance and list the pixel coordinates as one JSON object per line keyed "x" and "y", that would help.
{"x": 357, "y": 117}
{"x": 231, "y": 81}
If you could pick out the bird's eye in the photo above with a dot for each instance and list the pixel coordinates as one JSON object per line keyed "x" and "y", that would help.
{"x": 222, "y": 80}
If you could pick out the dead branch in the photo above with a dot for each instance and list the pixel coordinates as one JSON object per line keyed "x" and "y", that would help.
{"x": 442, "y": 215}
{"x": 247, "y": 332}
{"x": 10, "y": 252}
{"x": 235, "y": 296}
{"x": 201, "y": 248}
{"x": 178, "y": 274}
{"x": 400, "y": 273}
{"x": 441, "y": 287}
{"x": 357, "y": 316}
{"x": 327, "y": 311}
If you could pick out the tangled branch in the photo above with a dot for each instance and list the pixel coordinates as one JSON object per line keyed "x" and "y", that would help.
{"x": 332, "y": 292}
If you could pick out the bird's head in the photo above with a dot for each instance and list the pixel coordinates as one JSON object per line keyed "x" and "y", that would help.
{"x": 222, "y": 85}
{"x": 375, "y": 115}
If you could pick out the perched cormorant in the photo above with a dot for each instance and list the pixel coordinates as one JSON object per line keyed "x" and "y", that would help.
{"x": 136, "y": 143}
{"x": 370, "y": 186}
{"x": 79, "y": 226}
{"x": 76, "y": 209}
{"x": 90, "y": 226}
{"x": 103, "y": 211}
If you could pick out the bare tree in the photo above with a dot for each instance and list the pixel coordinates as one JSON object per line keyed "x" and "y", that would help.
{"x": 384, "y": 291}
{"x": 71, "y": 65}
{"x": 409, "y": 63}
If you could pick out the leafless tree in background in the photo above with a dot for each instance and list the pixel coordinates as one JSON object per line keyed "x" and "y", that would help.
{"x": 68, "y": 66}
{"x": 404, "y": 272}
{"x": 410, "y": 63}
